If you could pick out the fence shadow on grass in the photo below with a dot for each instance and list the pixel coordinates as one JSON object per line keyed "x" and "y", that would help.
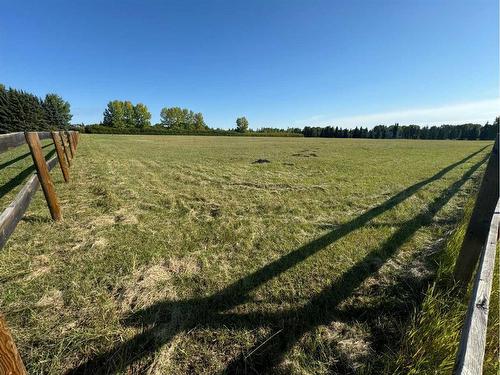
{"x": 209, "y": 312}
{"x": 21, "y": 176}
{"x": 20, "y": 157}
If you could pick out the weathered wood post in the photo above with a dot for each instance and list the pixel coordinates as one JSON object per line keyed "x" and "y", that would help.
{"x": 60, "y": 155}
{"x": 71, "y": 144}
{"x": 479, "y": 225}
{"x": 77, "y": 138}
{"x": 43, "y": 174}
{"x": 67, "y": 151}
{"x": 75, "y": 141}
{"x": 10, "y": 360}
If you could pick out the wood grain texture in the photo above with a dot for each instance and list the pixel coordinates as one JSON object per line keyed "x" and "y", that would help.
{"x": 71, "y": 145}
{"x": 11, "y": 140}
{"x": 8, "y": 141}
{"x": 10, "y": 360}
{"x": 15, "y": 211}
{"x": 73, "y": 139}
{"x": 43, "y": 175}
{"x": 470, "y": 355}
{"x": 67, "y": 151}
{"x": 477, "y": 231}
{"x": 60, "y": 156}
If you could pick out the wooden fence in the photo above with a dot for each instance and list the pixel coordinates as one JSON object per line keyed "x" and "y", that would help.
{"x": 473, "y": 338}
{"x": 480, "y": 242}
{"x": 65, "y": 143}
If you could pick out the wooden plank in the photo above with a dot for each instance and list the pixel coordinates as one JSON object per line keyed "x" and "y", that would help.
{"x": 43, "y": 175}
{"x": 473, "y": 338}
{"x": 477, "y": 231}
{"x": 15, "y": 211}
{"x": 60, "y": 156}
{"x": 10, "y": 360}
{"x": 67, "y": 151}
{"x": 11, "y": 140}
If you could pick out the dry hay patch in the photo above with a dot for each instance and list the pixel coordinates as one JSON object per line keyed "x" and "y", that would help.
{"x": 40, "y": 266}
{"x": 52, "y": 299}
{"x": 152, "y": 284}
{"x": 347, "y": 345}
{"x": 102, "y": 220}
{"x": 123, "y": 216}
{"x": 147, "y": 286}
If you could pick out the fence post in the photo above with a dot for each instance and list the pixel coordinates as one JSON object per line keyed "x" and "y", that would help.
{"x": 75, "y": 142}
{"x": 67, "y": 151}
{"x": 60, "y": 156}
{"x": 77, "y": 138}
{"x": 43, "y": 174}
{"x": 71, "y": 144}
{"x": 10, "y": 360}
{"x": 479, "y": 224}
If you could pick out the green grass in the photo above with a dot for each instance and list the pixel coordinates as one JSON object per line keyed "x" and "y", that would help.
{"x": 430, "y": 343}
{"x": 181, "y": 255}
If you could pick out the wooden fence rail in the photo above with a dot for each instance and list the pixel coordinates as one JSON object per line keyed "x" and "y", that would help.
{"x": 65, "y": 144}
{"x": 473, "y": 338}
{"x": 480, "y": 243}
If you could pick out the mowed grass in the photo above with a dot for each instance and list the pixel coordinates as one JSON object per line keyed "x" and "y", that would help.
{"x": 182, "y": 255}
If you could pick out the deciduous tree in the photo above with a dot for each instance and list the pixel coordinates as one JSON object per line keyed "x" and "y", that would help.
{"x": 241, "y": 124}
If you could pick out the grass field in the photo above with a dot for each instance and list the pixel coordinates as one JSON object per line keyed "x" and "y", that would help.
{"x": 183, "y": 255}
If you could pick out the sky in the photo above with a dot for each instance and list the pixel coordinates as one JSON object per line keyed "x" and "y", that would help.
{"x": 280, "y": 63}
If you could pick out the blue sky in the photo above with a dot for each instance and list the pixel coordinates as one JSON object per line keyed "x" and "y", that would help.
{"x": 279, "y": 63}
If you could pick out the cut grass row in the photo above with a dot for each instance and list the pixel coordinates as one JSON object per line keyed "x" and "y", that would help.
{"x": 180, "y": 255}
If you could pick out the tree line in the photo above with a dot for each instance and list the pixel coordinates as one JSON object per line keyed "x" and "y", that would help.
{"x": 22, "y": 111}
{"x": 396, "y": 131}
{"x": 123, "y": 114}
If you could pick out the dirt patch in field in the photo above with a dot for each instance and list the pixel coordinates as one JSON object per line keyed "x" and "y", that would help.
{"x": 306, "y": 154}
{"x": 261, "y": 161}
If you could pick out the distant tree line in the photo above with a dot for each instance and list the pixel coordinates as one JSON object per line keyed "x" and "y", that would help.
{"x": 159, "y": 130}
{"x": 396, "y": 131}
{"x": 22, "y": 111}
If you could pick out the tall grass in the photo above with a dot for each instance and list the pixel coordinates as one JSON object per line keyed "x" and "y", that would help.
{"x": 431, "y": 342}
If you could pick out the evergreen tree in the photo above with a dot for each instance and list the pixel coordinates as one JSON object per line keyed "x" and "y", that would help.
{"x": 57, "y": 112}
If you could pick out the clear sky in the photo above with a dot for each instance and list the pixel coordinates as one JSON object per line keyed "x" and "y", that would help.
{"x": 279, "y": 63}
